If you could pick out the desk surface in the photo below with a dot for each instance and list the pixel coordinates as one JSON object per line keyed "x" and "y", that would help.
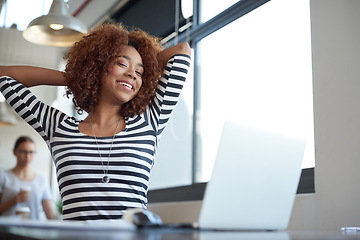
{"x": 22, "y": 233}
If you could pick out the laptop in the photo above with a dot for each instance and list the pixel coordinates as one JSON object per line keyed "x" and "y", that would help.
{"x": 254, "y": 180}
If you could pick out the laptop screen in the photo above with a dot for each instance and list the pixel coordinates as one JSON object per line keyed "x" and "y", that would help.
{"x": 254, "y": 180}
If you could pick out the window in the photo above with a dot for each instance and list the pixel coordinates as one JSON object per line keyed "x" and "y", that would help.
{"x": 252, "y": 64}
{"x": 173, "y": 162}
{"x": 11, "y": 13}
{"x": 209, "y": 9}
{"x": 257, "y": 71}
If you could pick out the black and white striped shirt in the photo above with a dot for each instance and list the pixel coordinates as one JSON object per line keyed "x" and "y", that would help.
{"x": 76, "y": 157}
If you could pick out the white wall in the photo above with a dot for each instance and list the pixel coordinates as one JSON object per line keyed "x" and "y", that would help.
{"x": 336, "y": 77}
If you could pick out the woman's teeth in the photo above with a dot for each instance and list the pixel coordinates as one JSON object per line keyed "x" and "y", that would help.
{"x": 126, "y": 85}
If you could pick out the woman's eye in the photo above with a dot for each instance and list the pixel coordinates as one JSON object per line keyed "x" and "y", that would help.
{"x": 121, "y": 64}
{"x": 139, "y": 73}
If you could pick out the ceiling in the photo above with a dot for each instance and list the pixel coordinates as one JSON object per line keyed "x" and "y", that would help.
{"x": 156, "y": 17}
{"x": 92, "y": 12}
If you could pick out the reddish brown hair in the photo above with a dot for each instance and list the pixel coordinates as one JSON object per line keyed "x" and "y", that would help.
{"x": 89, "y": 58}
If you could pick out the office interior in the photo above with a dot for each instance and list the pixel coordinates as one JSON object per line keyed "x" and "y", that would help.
{"x": 333, "y": 83}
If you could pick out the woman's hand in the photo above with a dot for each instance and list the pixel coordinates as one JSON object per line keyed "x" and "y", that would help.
{"x": 181, "y": 48}
{"x": 22, "y": 196}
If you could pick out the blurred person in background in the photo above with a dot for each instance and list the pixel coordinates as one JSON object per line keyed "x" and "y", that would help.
{"x": 21, "y": 187}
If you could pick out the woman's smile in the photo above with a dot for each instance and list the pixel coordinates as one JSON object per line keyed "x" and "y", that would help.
{"x": 129, "y": 86}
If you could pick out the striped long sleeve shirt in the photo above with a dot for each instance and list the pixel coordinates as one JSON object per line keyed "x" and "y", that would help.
{"x": 76, "y": 156}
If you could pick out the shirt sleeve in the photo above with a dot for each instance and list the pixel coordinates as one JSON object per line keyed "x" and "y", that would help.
{"x": 168, "y": 90}
{"x": 37, "y": 114}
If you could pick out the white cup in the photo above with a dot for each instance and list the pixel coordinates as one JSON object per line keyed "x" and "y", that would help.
{"x": 23, "y": 212}
{"x": 25, "y": 188}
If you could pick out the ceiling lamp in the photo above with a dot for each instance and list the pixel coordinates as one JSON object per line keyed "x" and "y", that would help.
{"x": 58, "y": 28}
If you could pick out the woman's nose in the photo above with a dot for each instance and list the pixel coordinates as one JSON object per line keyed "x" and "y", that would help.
{"x": 130, "y": 74}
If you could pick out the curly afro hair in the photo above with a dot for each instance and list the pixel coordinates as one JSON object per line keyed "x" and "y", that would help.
{"x": 89, "y": 58}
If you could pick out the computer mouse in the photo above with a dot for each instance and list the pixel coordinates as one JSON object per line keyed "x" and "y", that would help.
{"x": 142, "y": 217}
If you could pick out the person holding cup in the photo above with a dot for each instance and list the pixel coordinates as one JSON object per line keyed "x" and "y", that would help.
{"x": 22, "y": 191}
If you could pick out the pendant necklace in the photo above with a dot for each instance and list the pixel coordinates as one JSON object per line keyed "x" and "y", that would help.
{"x": 106, "y": 178}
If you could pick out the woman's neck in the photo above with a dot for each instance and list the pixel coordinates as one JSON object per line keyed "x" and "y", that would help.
{"x": 23, "y": 173}
{"x": 105, "y": 114}
{"x": 103, "y": 121}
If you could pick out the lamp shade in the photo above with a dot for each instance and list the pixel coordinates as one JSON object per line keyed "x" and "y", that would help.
{"x": 58, "y": 28}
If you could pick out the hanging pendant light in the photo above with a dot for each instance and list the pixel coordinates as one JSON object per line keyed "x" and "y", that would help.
{"x": 58, "y": 28}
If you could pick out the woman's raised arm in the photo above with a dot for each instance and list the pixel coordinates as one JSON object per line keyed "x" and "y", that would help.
{"x": 33, "y": 76}
{"x": 181, "y": 48}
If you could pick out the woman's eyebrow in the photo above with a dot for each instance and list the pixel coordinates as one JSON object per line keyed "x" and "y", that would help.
{"x": 128, "y": 58}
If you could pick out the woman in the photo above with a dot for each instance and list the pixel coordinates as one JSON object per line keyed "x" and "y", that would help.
{"x": 128, "y": 86}
{"x": 21, "y": 186}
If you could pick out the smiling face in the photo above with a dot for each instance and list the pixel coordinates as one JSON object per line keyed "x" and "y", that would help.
{"x": 123, "y": 80}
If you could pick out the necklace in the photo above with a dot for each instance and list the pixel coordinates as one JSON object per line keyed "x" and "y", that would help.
{"x": 106, "y": 178}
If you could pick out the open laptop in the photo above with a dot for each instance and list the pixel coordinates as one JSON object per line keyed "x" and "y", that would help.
{"x": 254, "y": 180}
